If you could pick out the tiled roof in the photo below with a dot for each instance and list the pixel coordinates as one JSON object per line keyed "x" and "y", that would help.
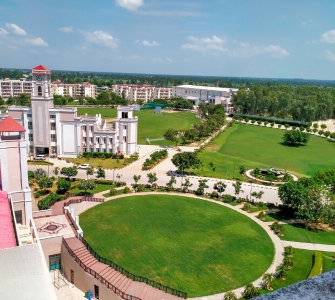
{"x": 10, "y": 125}
{"x": 41, "y": 68}
{"x": 7, "y": 238}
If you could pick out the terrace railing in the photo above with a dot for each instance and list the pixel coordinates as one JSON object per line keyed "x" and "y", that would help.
{"x": 102, "y": 279}
{"x": 84, "y": 198}
{"x": 132, "y": 276}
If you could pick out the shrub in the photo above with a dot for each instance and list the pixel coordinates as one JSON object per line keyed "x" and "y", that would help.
{"x": 288, "y": 251}
{"x": 228, "y": 198}
{"x": 127, "y": 190}
{"x": 48, "y": 201}
{"x": 277, "y": 228}
{"x": 317, "y": 264}
{"x": 214, "y": 194}
{"x": 246, "y": 120}
{"x": 120, "y": 183}
{"x": 154, "y": 159}
{"x": 321, "y": 132}
{"x": 261, "y": 215}
{"x": 259, "y": 122}
{"x": 112, "y": 192}
{"x": 253, "y": 121}
{"x": 246, "y": 206}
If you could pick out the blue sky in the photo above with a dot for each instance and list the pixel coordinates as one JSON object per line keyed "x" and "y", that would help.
{"x": 254, "y": 38}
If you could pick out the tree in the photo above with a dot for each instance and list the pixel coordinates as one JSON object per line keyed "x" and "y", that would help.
{"x": 171, "y": 135}
{"x": 186, "y": 185}
{"x": 69, "y": 172}
{"x": 101, "y": 173}
{"x": 31, "y": 175}
{"x": 250, "y": 291}
{"x": 288, "y": 251}
{"x": 56, "y": 171}
{"x": 136, "y": 178}
{"x": 118, "y": 176}
{"x": 220, "y": 187}
{"x": 152, "y": 178}
{"x": 63, "y": 185}
{"x": 257, "y": 195}
{"x": 323, "y": 126}
{"x": 40, "y": 173}
{"x": 185, "y": 160}
{"x": 268, "y": 281}
{"x": 85, "y": 185}
{"x": 281, "y": 272}
{"x": 45, "y": 182}
{"x": 89, "y": 171}
{"x": 169, "y": 185}
{"x": 295, "y": 137}
{"x": 229, "y": 296}
{"x": 242, "y": 169}
{"x": 202, "y": 186}
{"x": 288, "y": 263}
{"x": 238, "y": 187}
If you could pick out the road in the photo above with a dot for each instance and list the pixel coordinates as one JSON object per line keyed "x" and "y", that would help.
{"x": 162, "y": 170}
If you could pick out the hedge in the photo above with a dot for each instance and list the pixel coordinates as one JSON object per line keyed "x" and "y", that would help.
{"x": 103, "y": 154}
{"x": 317, "y": 264}
{"x": 111, "y": 182}
{"x": 155, "y": 158}
{"x": 48, "y": 201}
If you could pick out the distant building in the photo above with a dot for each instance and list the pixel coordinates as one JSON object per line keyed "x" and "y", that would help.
{"x": 145, "y": 92}
{"x": 13, "y": 88}
{"x": 204, "y": 94}
{"x": 62, "y": 132}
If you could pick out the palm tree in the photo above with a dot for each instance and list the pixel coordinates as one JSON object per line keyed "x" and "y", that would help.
{"x": 268, "y": 281}
{"x": 281, "y": 272}
{"x": 250, "y": 291}
{"x": 288, "y": 251}
{"x": 288, "y": 263}
{"x": 229, "y": 296}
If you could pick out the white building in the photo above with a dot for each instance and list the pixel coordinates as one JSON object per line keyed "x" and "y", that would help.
{"x": 145, "y": 92}
{"x": 13, "y": 88}
{"x": 62, "y": 132}
{"x": 205, "y": 94}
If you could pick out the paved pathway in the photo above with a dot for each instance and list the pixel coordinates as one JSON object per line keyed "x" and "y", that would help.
{"x": 309, "y": 246}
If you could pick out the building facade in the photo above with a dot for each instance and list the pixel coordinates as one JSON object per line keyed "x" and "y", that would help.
{"x": 205, "y": 94}
{"x": 13, "y": 88}
{"x": 145, "y": 92}
{"x": 61, "y": 131}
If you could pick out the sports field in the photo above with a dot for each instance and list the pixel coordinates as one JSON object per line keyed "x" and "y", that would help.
{"x": 150, "y": 124}
{"x": 188, "y": 244}
{"x": 254, "y": 146}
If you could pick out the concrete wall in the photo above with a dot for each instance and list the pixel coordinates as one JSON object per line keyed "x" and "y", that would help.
{"x": 51, "y": 246}
{"x": 82, "y": 280}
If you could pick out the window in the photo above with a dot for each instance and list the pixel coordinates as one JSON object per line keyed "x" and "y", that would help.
{"x": 105, "y": 141}
{"x": 39, "y": 90}
{"x": 125, "y": 127}
{"x": 96, "y": 292}
{"x": 30, "y": 137}
{"x": 52, "y": 116}
{"x": 72, "y": 276}
{"x": 53, "y": 126}
{"x": 111, "y": 141}
{"x": 29, "y": 115}
{"x": 125, "y": 139}
{"x": 124, "y": 115}
{"x": 31, "y": 150}
{"x": 84, "y": 149}
{"x": 91, "y": 128}
{"x": 53, "y": 138}
{"x": 18, "y": 216}
{"x": 98, "y": 140}
{"x": 30, "y": 125}
{"x": 54, "y": 262}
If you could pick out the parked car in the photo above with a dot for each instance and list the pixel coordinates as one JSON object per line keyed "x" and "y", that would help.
{"x": 39, "y": 157}
{"x": 84, "y": 166}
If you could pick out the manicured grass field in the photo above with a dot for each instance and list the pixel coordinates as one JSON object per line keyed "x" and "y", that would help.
{"x": 189, "y": 244}
{"x": 98, "y": 189}
{"x": 298, "y": 233}
{"x": 150, "y": 124}
{"x": 255, "y": 146}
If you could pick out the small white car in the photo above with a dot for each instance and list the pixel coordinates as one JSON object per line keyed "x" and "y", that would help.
{"x": 84, "y": 166}
{"x": 39, "y": 157}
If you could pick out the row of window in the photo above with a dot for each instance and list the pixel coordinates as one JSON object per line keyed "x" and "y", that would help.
{"x": 51, "y": 116}
{"x": 52, "y": 125}
{"x": 53, "y": 138}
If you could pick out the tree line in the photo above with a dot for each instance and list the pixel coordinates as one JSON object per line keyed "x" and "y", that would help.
{"x": 305, "y": 103}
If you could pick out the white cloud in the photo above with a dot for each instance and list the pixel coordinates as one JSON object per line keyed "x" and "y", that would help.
{"x": 101, "y": 38}
{"x": 329, "y": 55}
{"x": 3, "y": 31}
{"x": 66, "y": 29}
{"x": 276, "y": 51}
{"x": 130, "y": 4}
{"x": 147, "y": 43}
{"x": 213, "y": 43}
{"x": 242, "y": 44}
{"x": 328, "y": 37}
{"x": 37, "y": 42}
{"x": 16, "y": 29}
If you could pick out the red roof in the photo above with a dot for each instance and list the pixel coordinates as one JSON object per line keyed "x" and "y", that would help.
{"x": 10, "y": 125}
{"x": 41, "y": 68}
{"x": 7, "y": 237}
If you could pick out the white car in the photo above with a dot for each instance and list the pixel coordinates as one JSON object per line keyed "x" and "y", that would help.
{"x": 39, "y": 157}
{"x": 84, "y": 166}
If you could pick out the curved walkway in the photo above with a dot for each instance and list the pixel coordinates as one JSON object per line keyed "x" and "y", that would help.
{"x": 309, "y": 246}
{"x": 248, "y": 174}
{"x": 279, "y": 249}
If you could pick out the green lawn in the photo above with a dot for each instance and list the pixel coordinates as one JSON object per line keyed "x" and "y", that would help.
{"x": 150, "y": 124}
{"x": 192, "y": 245}
{"x": 118, "y": 192}
{"x": 98, "y": 189}
{"x": 255, "y": 146}
{"x": 298, "y": 233}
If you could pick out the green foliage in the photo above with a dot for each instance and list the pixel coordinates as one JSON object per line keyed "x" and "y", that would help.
{"x": 45, "y": 182}
{"x": 48, "y": 201}
{"x": 250, "y": 291}
{"x": 56, "y": 171}
{"x": 63, "y": 185}
{"x": 69, "y": 171}
{"x": 246, "y": 206}
{"x": 220, "y": 187}
{"x": 288, "y": 251}
{"x": 295, "y": 137}
{"x": 136, "y": 178}
{"x": 31, "y": 175}
{"x": 238, "y": 187}
{"x": 277, "y": 228}
{"x": 152, "y": 178}
{"x": 261, "y": 215}
{"x": 229, "y": 296}
{"x": 127, "y": 190}
{"x": 268, "y": 281}
{"x": 85, "y": 185}
{"x": 186, "y": 185}
{"x": 287, "y": 262}
{"x": 170, "y": 183}
{"x": 186, "y": 160}
{"x": 102, "y": 155}
{"x": 281, "y": 272}
{"x": 202, "y": 186}
{"x": 40, "y": 173}
{"x": 155, "y": 158}
{"x": 101, "y": 173}
{"x": 170, "y": 135}
{"x": 112, "y": 192}
{"x": 242, "y": 169}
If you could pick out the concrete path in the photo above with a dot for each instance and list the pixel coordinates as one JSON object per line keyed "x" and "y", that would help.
{"x": 309, "y": 246}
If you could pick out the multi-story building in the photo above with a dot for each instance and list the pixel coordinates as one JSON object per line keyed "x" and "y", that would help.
{"x": 13, "y": 88}
{"x": 62, "y": 132}
{"x": 145, "y": 92}
{"x": 84, "y": 89}
{"x": 197, "y": 94}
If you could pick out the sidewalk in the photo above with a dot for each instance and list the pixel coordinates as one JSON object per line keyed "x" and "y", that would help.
{"x": 309, "y": 246}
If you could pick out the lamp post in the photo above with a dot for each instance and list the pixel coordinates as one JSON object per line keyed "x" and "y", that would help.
{"x": 182, "y": 175}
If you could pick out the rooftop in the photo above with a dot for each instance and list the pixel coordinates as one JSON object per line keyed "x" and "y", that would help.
{"x": 7, "y": 237}
{"x": 10, "y": 125}
{"x": 41, "y": 68}
{"x": 208, "y": 88}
